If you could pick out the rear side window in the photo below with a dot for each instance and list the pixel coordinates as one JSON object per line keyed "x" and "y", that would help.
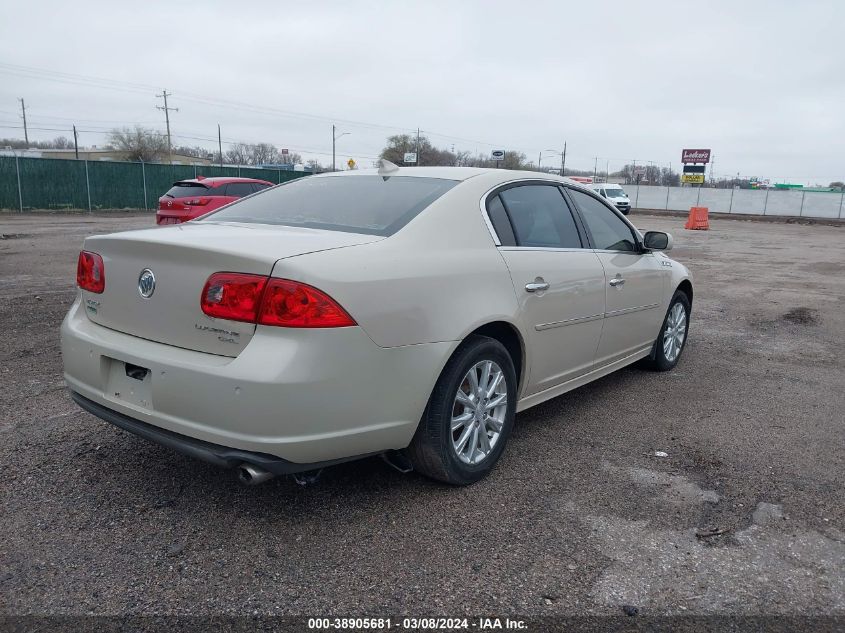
{"x": 540, "y": 217}
{"x": 187, "y": 190}
{"x": 239, "y": 189}
{"x": 607, "y": 230}
{"x": 501, "y": 224}
{"x": 355, "y": 204}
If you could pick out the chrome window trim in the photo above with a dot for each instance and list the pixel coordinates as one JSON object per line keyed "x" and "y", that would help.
{"x": 545, "y": 248}
{"x": 605, "y": 250}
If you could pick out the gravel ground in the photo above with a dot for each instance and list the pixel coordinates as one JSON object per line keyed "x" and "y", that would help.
{"x": 744, "y": 516}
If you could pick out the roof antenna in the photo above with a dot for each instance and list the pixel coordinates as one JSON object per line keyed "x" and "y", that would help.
{"x": 386, "y": 169}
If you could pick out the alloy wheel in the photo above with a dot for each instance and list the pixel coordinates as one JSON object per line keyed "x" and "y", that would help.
{"x": 478, "y": 412}
{"x": 675, "y": 332}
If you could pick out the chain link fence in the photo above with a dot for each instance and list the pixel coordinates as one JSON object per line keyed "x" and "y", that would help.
{"x": 28, "y": 184}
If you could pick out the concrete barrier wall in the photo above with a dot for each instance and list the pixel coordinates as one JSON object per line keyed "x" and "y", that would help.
{"x": 810, "y": 204}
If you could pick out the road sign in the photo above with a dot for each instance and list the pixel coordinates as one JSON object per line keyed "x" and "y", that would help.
{"x": 695, "y": 156}
{"x": 284, "y": 152}
{"x": 497, "y": 154}
{"x": 350, "y": 163}
{"x": 410, "y": 157}
{"x": 693, "y": 178}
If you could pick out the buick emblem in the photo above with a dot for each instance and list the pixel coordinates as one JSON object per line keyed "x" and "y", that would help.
{"x": 147, "y": 283}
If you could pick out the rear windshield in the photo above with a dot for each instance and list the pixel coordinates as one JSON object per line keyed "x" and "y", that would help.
{"x": 355, "y": 204}
{"x": 186, "y": 190}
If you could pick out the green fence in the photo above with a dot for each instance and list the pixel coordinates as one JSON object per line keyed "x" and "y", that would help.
{"x": 45, "y": 183}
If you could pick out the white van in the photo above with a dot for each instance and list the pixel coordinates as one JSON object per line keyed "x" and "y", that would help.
{"x": 614, "y": 194}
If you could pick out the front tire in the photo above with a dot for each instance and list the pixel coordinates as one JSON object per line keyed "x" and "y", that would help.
{"x": 673, "y": 334}
{"x": 469, "y": 415}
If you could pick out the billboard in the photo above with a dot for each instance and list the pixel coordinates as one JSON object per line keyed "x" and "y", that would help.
{"x": 695, "y": 169}
{"x": 697, "y": 179}
{"x": 695, "y": 156}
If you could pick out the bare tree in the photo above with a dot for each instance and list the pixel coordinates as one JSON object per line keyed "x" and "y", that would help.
{"x": 140, "y": 144}
{"x": 428, "y": 155}
{"x": 238, "y": 154}
{"x": 263, "y": 154}
{"x": 194, "y": 151}
{"x": 60, "y": 142}
{"x": 291, "y": 158}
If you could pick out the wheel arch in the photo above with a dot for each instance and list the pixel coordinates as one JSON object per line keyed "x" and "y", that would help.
{"x": 686, "y": 287}
{"x": 509, "y": 336}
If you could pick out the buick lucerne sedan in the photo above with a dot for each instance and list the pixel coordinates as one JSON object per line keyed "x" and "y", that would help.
{"x": 402, "y": 312}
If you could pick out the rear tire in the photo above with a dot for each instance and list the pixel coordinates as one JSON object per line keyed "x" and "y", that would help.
{"x": 672, "y": 339}
{"x": 469, "y": 415}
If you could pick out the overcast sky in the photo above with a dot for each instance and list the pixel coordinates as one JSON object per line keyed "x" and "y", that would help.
{"x": 761, "y": 83}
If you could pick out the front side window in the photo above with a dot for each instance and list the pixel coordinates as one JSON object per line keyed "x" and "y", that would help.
{"x": 607, "y": 230}
{"x": 540, "y": 217}
{"x": 354, "y": 204}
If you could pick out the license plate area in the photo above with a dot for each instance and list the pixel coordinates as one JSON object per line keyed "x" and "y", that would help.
{"x": 129, "y": 383}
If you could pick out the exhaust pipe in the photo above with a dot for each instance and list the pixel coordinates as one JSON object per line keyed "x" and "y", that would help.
{"x": 253, "y": 475}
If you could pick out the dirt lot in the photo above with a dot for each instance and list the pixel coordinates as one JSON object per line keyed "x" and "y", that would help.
{"x": 580, "y": 517}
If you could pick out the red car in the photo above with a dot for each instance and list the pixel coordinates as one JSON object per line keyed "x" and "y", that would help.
{"x": 189, "y": 199}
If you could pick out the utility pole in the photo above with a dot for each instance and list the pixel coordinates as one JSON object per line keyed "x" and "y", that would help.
{"x": 563, "y": 161}
{"x": 167, "y": 120}
{"x": 335, "y": 136}
{"x": 418, "y": 147}
{"x": 539, "y": 161}
{"x": 220, "y": 145}
{"x": 595, "y": 168}
{"x": 25, "y": 132}
{"x": 75, "y": 143}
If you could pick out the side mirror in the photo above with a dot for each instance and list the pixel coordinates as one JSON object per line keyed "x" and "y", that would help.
{"x": 657, "y": 241}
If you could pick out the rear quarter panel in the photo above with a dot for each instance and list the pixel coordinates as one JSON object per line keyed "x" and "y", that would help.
{"x": 437, "y": 279}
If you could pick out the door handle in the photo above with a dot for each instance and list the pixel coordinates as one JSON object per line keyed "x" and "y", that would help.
{"x": 617, "y": 281}
{"x": 537, "y": 286}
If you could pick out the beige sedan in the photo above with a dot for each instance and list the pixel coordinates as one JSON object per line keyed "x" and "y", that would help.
{"x": 406, "y": 312}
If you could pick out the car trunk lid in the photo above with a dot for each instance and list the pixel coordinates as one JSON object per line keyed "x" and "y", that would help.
{"x": 181, "y": 258}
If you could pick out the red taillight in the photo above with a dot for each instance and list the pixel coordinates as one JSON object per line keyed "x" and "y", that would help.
{"x": 90, "y": 272}
{"x": 198, "y": 202}
{"x": 233, "y": 296}
{"x": 292, "y": 304}
{"x": 269, "y": 301}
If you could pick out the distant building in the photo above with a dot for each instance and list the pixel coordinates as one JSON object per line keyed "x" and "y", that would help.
{"x": 96, "y": 154}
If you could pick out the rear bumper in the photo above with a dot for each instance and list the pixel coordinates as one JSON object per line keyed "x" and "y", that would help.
{"x": 222, "y": 456}
{"x": 304, "y": 396}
